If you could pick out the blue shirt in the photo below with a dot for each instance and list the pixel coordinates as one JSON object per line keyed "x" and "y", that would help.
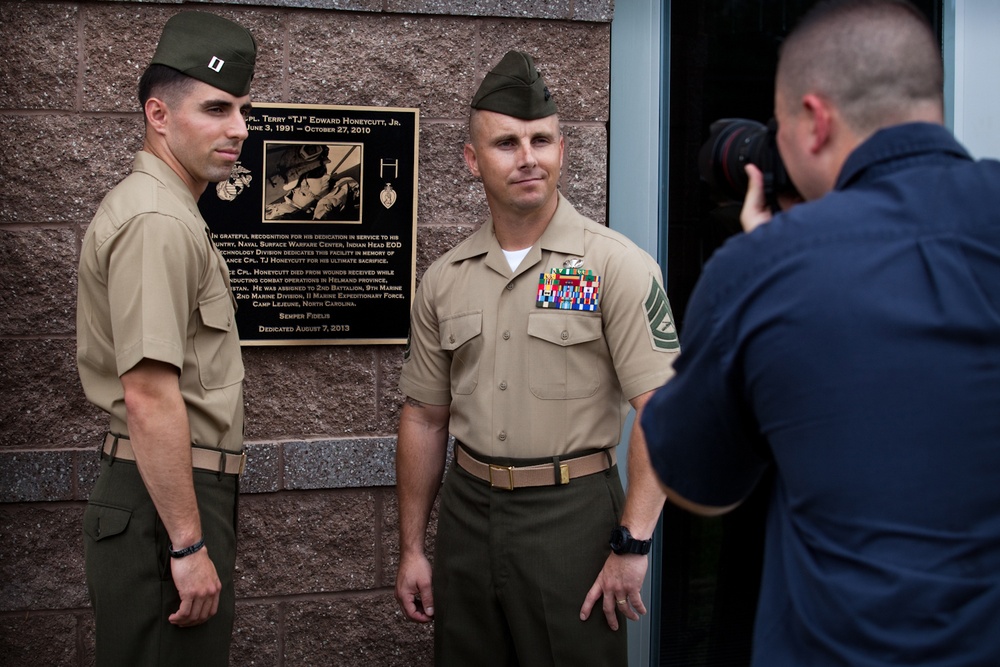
{"x": 854, "y": 344}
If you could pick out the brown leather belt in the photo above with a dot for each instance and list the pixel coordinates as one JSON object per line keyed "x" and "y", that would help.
{"x": 211, "y": 460}
{"x": 557, "y": 473}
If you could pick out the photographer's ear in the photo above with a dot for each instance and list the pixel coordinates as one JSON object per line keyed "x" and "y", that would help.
{"x": 819, "y": 113}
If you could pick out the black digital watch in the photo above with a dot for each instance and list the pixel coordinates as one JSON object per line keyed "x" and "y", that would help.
{"x": 622, "y": 542}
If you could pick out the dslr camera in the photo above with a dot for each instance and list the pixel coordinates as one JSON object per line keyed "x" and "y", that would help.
{"x": 734, "y": 142}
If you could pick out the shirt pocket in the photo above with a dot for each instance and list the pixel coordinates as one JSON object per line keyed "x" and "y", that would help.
{"x": 217, "y": 343}
{"x": 562, "y": 354}
{"x": 461, "y": 335}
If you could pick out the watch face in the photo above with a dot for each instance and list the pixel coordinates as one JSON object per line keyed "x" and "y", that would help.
{"x": 619, "y": 537}
{"x": 622, "y": 542}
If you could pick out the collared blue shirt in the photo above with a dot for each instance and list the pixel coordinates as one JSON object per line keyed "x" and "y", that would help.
{"x": 853, "y": 343}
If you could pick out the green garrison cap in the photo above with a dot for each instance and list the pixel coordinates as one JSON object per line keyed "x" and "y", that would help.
{"x": 208, "y": 48}
{"x": 515, "y": 88}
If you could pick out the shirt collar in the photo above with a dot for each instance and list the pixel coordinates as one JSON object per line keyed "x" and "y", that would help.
{"x": 148, "y": 163}
{"x": 892, "y": 148}
{"x": 563, "y": 234}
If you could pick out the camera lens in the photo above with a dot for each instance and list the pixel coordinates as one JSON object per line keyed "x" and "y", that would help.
{"x": 721, "y": 161}
{"x": 734, "y": 142}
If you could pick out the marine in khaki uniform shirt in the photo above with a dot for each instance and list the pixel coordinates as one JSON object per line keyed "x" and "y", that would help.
{"x": 132, "y": 306}
{"x": 525, "y": 376}
{"x": 533, "y": 370}
{"x": 159, "y": 352}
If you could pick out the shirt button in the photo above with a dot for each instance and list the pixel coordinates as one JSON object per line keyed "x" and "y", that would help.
{"x": 564, "y": 335}
{"x": 510, "y": 286}
{"x": 451, "y": 338}
{"x": 506, "y": 335}
{"x": 503, "y": 386}
{"x": 502, "y": 435}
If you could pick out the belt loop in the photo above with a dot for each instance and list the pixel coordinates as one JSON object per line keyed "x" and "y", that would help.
{"x": 561, "y": 471}
{"x": 114, "y": 449}
{"x": 607, "y": 454}
{"x": 222, "y": 463}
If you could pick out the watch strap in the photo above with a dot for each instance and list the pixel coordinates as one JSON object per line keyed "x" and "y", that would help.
{"x": 634, "y": 546}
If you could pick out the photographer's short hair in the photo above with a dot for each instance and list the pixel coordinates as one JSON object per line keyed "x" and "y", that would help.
{"x": 164, "y": 83}
{"x": 874, "y": 59}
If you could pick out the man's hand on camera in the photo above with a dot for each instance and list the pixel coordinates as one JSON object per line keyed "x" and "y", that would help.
{"x": 755, "y": 211}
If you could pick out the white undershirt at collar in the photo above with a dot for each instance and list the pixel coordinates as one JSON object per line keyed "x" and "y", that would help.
{"x": 514, "y": 257}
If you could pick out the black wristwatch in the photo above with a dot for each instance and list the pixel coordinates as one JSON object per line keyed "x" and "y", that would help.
{"x": 622, "y": 542}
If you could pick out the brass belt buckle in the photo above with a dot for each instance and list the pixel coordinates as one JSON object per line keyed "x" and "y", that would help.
{"x": 563, "y": 473}
{"x": 499, "y": 482}
{"x": 243, "y": 463}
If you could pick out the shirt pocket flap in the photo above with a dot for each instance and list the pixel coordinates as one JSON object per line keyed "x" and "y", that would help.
{"x": 460, "y": 329}
{"x": 563, "y": 329}
{"x": 104, "y": 521}
{"x": 217, "y": 312}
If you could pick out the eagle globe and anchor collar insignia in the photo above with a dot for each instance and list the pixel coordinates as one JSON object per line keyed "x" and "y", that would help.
{"x": 570, "y": 288}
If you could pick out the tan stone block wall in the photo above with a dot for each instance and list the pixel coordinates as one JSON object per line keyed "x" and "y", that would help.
{"x": 318, "y": 519}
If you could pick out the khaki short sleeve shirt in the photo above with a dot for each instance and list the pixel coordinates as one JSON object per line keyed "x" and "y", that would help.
{"x": 526, "y": 381}
{"x": 152, "y": 285}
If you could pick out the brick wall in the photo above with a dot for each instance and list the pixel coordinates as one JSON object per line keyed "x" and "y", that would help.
{"x": 318, "y": 544}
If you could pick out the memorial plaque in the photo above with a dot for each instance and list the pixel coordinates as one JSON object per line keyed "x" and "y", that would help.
{"x": 318, "y": 224}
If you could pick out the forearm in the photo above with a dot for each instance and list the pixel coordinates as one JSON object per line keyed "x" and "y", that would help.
{"x": 645, "y": 497}
{"x": 619, "y": 583}
{"x": 161, "y": 439}
{"x": 420, "y": 461}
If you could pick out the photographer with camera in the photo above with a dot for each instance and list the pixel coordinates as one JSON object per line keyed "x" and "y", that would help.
{"x": 851, "y": 345}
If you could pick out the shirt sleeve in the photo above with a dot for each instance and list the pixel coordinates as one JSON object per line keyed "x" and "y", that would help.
{"x": 153, "y": 272}
{"x": 426, "y": 372}
{"x": 638, "y": 323}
